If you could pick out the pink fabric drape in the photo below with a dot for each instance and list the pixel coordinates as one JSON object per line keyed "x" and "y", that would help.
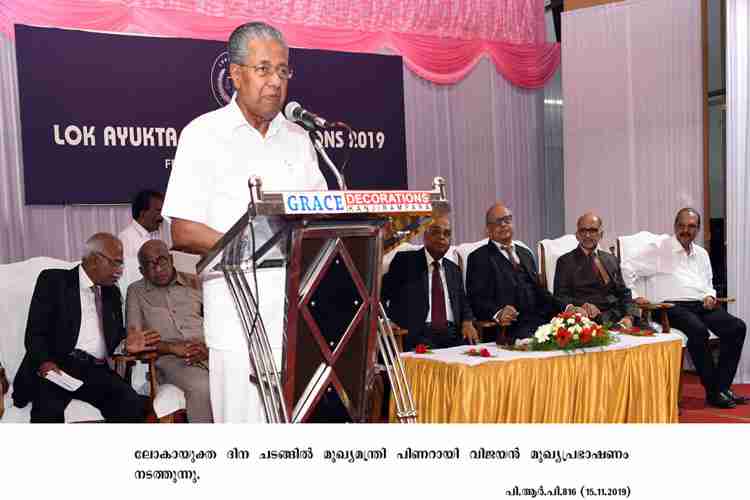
{"x": 440, "y": 40}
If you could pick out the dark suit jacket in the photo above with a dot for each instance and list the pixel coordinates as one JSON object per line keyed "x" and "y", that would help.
{"x": 406, "y": 294}
{"x": 491, "y": 283}
{"x": 567, "y": 271}
{"x": 54, "y": 322}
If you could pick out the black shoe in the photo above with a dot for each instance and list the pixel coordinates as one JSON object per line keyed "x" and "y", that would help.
{"x": 720, "y": 400}
{"x": 740, "y": 400}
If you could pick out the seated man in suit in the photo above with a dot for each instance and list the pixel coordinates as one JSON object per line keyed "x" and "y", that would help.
{"x": 591, "y": 279}
{"x": 171, "y": 303}
{"x": 75, "y": 322}
{"x": 679, "y": 272}
{"x": 502, "y": 282}
{"x": 425, "y": 293}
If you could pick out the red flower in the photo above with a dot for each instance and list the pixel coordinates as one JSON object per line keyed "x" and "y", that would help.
{"x": 420, "y": 349}
{"x": 563, "y": 337}
{"x": 484, "y": 353}
{"x": 586, "y": 335}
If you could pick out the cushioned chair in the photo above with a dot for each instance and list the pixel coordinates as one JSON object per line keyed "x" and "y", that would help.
{"x": 549, "y": 251}
{"x": 630, "y": 248}
{"x": 17, "y": 281}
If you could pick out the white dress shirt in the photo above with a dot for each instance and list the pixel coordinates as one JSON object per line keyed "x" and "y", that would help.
{"x": 216, "y": 155}
{"x": 90, "y": 335}
{"x": 132, "y": 237}
{"x": 448, "y": 308}
{"x": 513, "y": 256}
{"x": 219, "y": 151}
{"x": 673, "y": 273}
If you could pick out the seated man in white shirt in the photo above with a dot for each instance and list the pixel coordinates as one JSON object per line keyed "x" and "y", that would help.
{"x": 680, "y": 272}
{"x": 147, "y": 218}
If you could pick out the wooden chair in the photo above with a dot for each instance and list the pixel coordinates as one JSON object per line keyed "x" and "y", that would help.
{"x": 123, "y": 365}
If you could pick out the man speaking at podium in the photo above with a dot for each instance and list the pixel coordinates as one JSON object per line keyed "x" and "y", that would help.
{"x": 208, "y": 191}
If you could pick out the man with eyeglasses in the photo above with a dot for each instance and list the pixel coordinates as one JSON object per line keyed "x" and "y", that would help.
{"x": 424, "y": 293}
{"x": 502, "y": 283}
{"x": 74, "y": 324}
{"x": 591, "y": 280}
{"x": 679, "y": 272}
{"x": 208, "y": 191}
{"x": 171, "y": 303}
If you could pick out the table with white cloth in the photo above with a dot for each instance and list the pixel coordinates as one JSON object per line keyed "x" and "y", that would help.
{"x": 635, "y": 380}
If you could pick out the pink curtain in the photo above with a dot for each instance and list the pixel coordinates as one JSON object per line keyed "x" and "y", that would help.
{"x": 440, "y": 40}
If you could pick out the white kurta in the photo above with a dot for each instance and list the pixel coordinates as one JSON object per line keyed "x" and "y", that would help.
{"x": 216, "y": 155}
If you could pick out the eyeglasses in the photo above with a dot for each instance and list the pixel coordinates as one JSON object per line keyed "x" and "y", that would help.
{"x": 588, "y": 231}
{"x": 117, "y": 264}
{"x": 508, "y": 219}
{"x": 264, "y": 70}
{"x": 161, "y": 262}
{"x": 436, "y": 232}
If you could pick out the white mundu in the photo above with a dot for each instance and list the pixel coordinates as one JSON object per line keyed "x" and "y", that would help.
{"x": 216, "y": 155}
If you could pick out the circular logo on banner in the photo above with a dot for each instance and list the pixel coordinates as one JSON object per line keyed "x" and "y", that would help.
{"x": 221, "y": 85}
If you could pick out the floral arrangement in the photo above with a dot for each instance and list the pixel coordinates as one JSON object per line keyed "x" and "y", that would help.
{"x": 569, "y": 331}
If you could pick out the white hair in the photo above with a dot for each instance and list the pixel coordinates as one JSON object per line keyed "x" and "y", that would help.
{"x": 242, "y": 35}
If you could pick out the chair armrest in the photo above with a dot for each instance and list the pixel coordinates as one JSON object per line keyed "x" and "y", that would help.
{"x": 660, "y": 306}
{"x": 399, "y": 334}
{"x": 123, "y": 361}
{"x": 726, "y": 300}
{"x": 502, "y": 334}
{"x": 4, "y": 384}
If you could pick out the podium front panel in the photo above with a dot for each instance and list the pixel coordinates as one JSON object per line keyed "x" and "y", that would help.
{"x": 333, "y": 289}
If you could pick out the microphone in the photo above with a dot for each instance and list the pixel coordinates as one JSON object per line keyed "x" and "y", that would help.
{"x": 296, "y": 113}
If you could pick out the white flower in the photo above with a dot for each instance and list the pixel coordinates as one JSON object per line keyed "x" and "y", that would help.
{"x": 571, "y": 321}
{"x": 543, "y": 333}
{"x": 575, "y": 336}
{"x": 576, "y": 329}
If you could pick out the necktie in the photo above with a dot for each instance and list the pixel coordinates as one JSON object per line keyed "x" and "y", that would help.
{"x": 439, "y": 317}
{"x": 599, "y": 269}
{"x": 98, "y": 302}
{"x": 511, "y": 257}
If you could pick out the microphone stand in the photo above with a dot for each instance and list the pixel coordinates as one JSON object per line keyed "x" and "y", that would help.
{"x": 318, "y": 145}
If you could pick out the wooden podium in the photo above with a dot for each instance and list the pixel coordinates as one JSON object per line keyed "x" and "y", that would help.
{"x": 331, "y": 243}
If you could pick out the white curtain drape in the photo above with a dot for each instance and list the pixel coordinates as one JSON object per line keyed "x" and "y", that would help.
{"x": 484, "y": 135}
{"x": 738, "y": 161}
{"x": 633, "y": 121}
